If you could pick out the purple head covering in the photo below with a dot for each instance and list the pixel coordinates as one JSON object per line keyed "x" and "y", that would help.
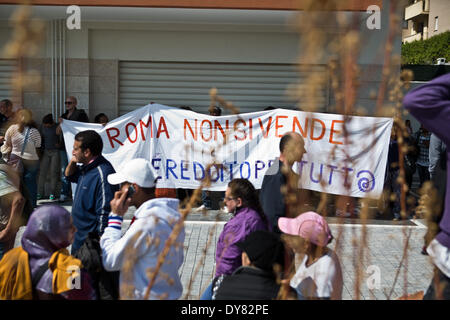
{"x": 47, "y": 231}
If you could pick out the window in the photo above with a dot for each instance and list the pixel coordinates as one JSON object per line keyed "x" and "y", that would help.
{"x": 436, "y": 23}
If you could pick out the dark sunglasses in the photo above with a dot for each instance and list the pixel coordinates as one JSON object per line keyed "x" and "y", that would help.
{"x": 68, "y": 102}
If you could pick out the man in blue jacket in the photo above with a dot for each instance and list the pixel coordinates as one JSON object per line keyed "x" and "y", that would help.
{"x": 91, "y": 203}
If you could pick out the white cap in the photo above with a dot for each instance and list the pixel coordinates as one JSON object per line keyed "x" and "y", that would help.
{"x": 138, "y": 171}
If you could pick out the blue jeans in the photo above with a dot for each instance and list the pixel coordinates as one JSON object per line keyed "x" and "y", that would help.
{"x": 2, "y": 248}
{"x": 443, "y": 281}
{"x": 30, "y": 171}
{"x": 207, "y": 294}
{"x": 65, "y": 185}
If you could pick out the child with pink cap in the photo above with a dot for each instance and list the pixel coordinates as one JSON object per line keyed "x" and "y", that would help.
{"x": 319, "y": 275}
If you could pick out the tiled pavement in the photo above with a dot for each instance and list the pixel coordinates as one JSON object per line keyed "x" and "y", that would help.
{"x": 385, "y": 248}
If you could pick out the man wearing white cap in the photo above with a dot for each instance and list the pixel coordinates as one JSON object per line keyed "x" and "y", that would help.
{"x": 136, "y": 253}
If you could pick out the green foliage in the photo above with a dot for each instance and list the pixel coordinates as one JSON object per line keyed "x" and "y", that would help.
{"x": 427, "y": 51}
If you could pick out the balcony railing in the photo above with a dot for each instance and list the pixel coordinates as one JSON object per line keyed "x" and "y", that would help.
{"x": 416, "y": 9}
{"x": 416, "y": 37}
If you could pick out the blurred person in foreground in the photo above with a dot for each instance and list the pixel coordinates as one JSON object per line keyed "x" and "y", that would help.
{"x": 208, "y": 196}
{"x": 101, "y": 118}
{"x": 319, "y": 275}
{"x": 42, "y": 268}
{"x": 138, "y": 250}
{"x": 430, "y": 105}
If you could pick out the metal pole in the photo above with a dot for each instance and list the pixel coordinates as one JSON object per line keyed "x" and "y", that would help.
{"x": 60, "y": 65}
{"x": 51, "y": 60}
{"x": 55, "y": 61}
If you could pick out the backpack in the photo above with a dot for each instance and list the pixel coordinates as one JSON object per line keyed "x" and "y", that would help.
{"x": 106, "y": 283}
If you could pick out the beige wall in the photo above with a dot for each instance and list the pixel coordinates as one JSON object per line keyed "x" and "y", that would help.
{"x": 93, "y": 82}
{"x": 441, "y": 9}
{"x": 93, "y": 53}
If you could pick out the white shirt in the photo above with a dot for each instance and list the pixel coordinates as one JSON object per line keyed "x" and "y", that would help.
{"x": 322, "y": 279}
{"x": 138, "y": 250}
{"x": 440, "y": 256}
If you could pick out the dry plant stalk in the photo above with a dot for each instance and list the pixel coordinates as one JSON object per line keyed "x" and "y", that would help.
{"x": 28, "y": 35}
{"x": 402, "y": 262}
{"x": 345, "y": 88}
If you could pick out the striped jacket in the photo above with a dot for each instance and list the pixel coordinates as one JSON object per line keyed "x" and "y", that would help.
{"x": 136, "y": 253}
{"x": 91, "y": 203}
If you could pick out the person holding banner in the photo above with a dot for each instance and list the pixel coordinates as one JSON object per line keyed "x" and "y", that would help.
{"x": 430, "y": 105}
{"x": 74, "y": 114}
{"x": 292, "y": 149}
{"x": 209, "y": 198}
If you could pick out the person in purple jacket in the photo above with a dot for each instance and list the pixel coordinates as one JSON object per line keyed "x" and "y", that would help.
{"x": 241, "y": 199}
{"x": 430, "y": 105}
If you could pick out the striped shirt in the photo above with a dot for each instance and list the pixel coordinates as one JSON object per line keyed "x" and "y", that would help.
{"x": 115, "y": 221}
{"x": 15, "y": 140}
{"x": 424, "y": 145}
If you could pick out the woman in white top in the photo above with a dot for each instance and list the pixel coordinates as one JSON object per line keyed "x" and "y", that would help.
{"x": 21, "y": 140}
{"x": 319, "y": 275}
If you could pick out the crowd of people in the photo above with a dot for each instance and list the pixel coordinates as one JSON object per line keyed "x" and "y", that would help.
{"x": 269, "y": 249}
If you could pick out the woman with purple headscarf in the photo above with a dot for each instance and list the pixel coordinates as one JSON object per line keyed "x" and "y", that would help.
{"x": 48, "y": 233}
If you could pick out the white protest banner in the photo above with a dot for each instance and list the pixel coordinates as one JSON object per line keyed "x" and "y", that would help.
{"x": 181, "y": 144}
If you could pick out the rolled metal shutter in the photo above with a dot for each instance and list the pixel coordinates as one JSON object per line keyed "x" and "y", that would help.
{"x": 250, "y": 87}
{"x": 7, "y": 68}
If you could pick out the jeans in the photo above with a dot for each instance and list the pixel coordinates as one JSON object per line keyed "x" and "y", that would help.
{"x": 424, "y": 174}
{"x": 50, "y": 167}
{"x": 395, "y": 188}
{"x": 443, "y": 281}
{"x": 6, "y": 246}
{"x": 207, "y": 294}
{"x": 2, "y": 248}
{"x": 212, "y": 199}
{"x": 206, "y": 200}
{"x": 65, "y": 185}
{"x": 30, "y": 172}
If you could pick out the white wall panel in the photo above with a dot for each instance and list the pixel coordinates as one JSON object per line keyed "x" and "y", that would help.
{"x": 250, "y": 87}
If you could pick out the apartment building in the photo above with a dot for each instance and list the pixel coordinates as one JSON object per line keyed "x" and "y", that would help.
{"x": 425, "y": 18}
{"x": 129, "y": 53}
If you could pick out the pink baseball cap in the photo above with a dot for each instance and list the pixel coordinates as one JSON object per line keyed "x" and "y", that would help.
{"x": 308, "y": 225}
